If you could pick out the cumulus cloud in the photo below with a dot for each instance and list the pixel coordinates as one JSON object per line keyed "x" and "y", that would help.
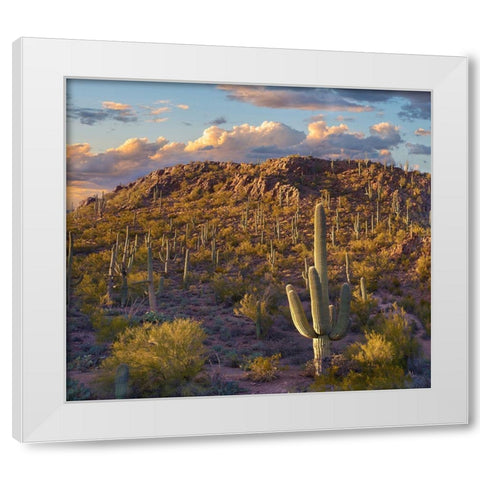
{"x": 418, "y": 149}
{"x": 241, "y": 138}
{"x": 422, "y": 132}
{"x": 338, "y": 140}
{"x": 138, "y": 156}
{"x": 132, "y": 157}
{"x": 298, "y": 98}
{"x": 318, "y": 131}
{"x": 384, "y": 130}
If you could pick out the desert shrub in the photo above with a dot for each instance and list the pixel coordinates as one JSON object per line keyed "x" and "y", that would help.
{"x": 423, "y": 312}
{"x": 263, "y": 369}
{"x": 424, "y": 268}
{"x": 77, "y": 391}
{"x": 83, "y": 363}
{"x": 107, "y": 328}
{"x": 232, "y": 359}
{"x": 255, "y": 309}
{"x": 220, "y": 386}
{"x": 228, "y": 290}
{"x": 407, "y": 303}
{"x": 381, "y": 362}
{"x": 160, "y": 357}
{"x": 154, "y": 317}
{"x": 376, "y": 350}
{"x": 365, "y": 366}
{"x": 398, "y": 331}
{"x": 363, "y": 309}
{"x": 91, "y": 290}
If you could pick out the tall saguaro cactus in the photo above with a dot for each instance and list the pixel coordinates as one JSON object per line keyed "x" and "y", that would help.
{"x": 152, "y": 301}
{"x": 125, "y": 265}
{"x": 327, "y": 326}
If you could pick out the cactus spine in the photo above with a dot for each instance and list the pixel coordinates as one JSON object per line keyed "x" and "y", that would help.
{"x": 327, "y": 326}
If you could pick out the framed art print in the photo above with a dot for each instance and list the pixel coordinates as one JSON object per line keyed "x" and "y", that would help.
{"x": 219, "y": 240}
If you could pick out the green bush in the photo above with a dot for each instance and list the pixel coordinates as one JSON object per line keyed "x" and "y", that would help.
{"x": 398, "y": 331}
{"x": 160, "y": 357}
{"x": 107, "y": 328}
{"x": 77, "y": 391}
{"x": 228, "y": 290}
{"x": 365, "y": 366}
{"x": 255, "y": 309}
{"x": 381, "y": 362}
{"x": 263, "y": 369}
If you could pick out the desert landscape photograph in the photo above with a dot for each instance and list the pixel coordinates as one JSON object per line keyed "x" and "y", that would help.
{"x": 243, "y": 239}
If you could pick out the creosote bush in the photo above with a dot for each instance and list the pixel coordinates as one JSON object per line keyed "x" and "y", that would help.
{"x": 160, "y": 358}
{"x": 107, "y": 328}
{"x": 381, "y": 362}
{"x": 256, "y": 309}
{"x": 263, "y": 369}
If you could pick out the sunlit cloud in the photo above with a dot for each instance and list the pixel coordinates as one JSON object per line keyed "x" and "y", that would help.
{"x": 241, "y": 143}
{"x": 422, "y": 132}
{"x": 297, "y": 98}
{"x": 245, "y": 137}
{"x": 183, "y": 106}
{"x": 320, "y": 130}
{"x": 383, "y": 129}
{"x": 115, "y": 106}
{"x": 160, "y": 110}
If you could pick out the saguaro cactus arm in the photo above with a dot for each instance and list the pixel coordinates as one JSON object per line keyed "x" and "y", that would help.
{"x": 298, "y": 314}
{"x": 340, "y": 326}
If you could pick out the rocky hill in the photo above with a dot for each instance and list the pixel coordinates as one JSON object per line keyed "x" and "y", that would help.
{"x": 208, "y": 240}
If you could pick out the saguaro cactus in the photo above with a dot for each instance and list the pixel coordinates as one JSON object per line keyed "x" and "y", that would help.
{"x": 123, "y": 268}
{"x": 327, "y": 326}
{"x": 185, "y": 268}
{"x": 121, "y": 381}
{"x": 152, "y": 301}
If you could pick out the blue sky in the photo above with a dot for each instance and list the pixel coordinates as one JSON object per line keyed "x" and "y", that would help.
{"x": 118, "y": 131}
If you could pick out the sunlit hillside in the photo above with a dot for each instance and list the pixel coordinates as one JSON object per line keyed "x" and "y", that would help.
{"x": 176, "y": 282}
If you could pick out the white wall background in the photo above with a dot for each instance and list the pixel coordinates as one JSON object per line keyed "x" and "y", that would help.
{"x": 410, "y": 26}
